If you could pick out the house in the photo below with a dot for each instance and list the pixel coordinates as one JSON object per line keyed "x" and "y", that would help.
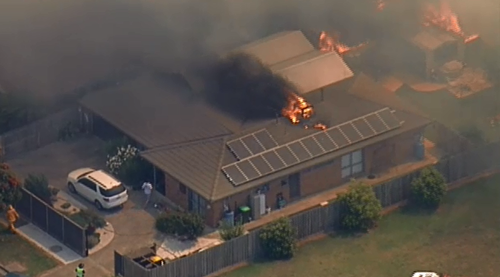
{"x": 212, "y": 162}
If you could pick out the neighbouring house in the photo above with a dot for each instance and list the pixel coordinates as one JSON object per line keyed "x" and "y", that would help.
{"x": 214, "y": 163}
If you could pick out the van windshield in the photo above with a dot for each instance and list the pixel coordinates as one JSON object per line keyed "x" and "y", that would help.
{"x": 112, "y": 191}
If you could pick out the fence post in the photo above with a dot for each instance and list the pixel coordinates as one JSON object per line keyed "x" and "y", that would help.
{"x": 46, "y": 219}
{"x": 31, "y": 205}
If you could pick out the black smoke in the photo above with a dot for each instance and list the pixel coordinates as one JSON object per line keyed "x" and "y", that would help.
{"x": 241, "y": 85}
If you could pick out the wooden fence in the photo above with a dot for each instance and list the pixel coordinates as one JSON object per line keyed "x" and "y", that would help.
{"x": 37, "y": 134}
{"x": 308, "y": 223}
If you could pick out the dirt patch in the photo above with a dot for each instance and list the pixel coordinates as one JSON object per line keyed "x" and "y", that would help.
{"x": 15, "y": 267}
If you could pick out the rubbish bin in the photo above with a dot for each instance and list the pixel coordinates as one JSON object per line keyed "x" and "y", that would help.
{"x": 245, "y": 214}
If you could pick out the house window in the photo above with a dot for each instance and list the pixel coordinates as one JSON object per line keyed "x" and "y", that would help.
{"x": 182, "y": 188}
{"x": 352, "y": 164}
{"x": 197, "y": 204}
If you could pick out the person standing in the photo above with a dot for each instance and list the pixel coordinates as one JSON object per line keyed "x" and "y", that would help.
{"x": 148, "y": 189}
{"x": 80, "y": 271}
{"x": 12, "y": 217}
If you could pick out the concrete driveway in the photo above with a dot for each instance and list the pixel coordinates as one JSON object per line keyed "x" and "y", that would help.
{"x": 134, "y": 227}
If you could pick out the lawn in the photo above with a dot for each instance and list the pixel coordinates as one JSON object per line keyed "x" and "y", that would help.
{"x": 15, "y": 249}
{"x": 462, "y": 239}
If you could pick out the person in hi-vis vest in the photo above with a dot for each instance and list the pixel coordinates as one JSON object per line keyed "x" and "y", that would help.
{"x": 80, "y": 272}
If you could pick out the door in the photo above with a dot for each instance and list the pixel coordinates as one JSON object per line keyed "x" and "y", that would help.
{"x": 294, "y": 185}
{"x": 87, "y": 189}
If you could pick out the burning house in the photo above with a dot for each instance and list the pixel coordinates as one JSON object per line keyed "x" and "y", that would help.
{"x": 214, "y": 162}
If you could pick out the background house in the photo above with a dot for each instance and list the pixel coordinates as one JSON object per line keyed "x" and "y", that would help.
{"x": 212, "y": 162}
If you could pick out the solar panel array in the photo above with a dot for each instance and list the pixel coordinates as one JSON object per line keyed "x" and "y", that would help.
{"x": 279, "y": 157}
{"x": 252, "y": 144}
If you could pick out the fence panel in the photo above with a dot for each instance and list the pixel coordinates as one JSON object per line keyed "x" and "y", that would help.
{"x": 37, "y": 134}
{"x": 119, "y": 265}
{"x": 52, "y": 222}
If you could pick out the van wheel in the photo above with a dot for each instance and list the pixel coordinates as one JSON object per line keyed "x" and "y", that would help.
{"x": 98, "y": 205}
{"x": 71, "y": 188}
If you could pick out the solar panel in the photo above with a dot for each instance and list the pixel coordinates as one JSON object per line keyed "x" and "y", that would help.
{"x": 376, "y": 123}
{"x": 312, "y": 146}
{"x": 248, "y": 170}
{"x": 265, "y": 139}
{"x": 299, "y": 150}
{"x": 338, "y": 137}
{"x": 261, "y": 164}
{"x": 351, "y": 133}
{"x": 239, "y": 149}
{"x": 286, "y": 155}
{"x": 234, "y": 174}
{"x": 389, "y": 119}
{"x": 363, "y": 127}
{"x": 325, "y": 141}
{"x": 276, "y": 158}
{"x": 253, "y": 144}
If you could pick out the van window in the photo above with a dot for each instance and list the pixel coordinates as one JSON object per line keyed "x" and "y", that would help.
{"x": 112, "y": 191}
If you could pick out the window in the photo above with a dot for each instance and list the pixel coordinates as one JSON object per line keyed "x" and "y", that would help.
{"x": 352, "y": 164}
{"x": 88, "y": 184}
{"x": 112, "y": 191}
{"x": 197, "y": 204}
{"x": 182, "y": 188}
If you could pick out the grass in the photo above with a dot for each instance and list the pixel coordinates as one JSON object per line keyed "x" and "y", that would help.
{"x": 462, "y": 239}
{"x": 15, "y": 249}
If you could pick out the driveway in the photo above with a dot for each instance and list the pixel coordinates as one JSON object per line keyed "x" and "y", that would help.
{"x": 134, "y": 227}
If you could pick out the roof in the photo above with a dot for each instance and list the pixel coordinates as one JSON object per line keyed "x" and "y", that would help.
{"x": 154, "y": 112}
{"x": 430, "y": 39}
{"x": 207, "y": 157}
{"x": 368, "y": 89}
{"x": 104, "y": 179}
{"x": 313, "y": 70}
{"x": 278, "y": 47}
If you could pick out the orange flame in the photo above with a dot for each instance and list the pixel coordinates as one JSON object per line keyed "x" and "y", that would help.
{"x": 297, "y": 109}
{"x": 381, "y": 5}
{"x": 328, "y": 44}
{"x": 445, "y": 19}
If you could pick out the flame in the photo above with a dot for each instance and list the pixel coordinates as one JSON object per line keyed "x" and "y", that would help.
{"x": 445, "y": 19}
{"x": 328, "y": 44}
{"x": 297, "y": 109}
{"x": 320, "y": 126}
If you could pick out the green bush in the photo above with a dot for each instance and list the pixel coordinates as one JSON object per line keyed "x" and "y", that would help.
{"x": 93, "y": 240}
{"x": 428, "y": 190}
{"x": 39, "y": 186}
{"x": 229, "y": 232}
{"x": 10, "y": 188}
{"x": 135, "y": 172}
{"x": 360, "y": 208}
{"x": 278, "y": 239}
{"x": 88, "y": 218}
{"x": 186, "y": 225}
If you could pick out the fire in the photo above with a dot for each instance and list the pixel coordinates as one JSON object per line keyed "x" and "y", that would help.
{"x": 445, "y": 19}
{"x": 297, "y": 109}
{"x": 328, "y": 44}
{"x": 380, "y": 5}
{"x": 319, "y": 126}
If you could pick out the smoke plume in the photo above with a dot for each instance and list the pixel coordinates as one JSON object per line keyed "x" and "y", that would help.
{"x": 244, "y": 87}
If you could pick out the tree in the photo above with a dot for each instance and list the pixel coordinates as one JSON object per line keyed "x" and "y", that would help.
{"x": 428, "y": 190}
{"x": 278, "y": 239}
{"x": 360, "y": 208}
{"x": 10, "y": 186}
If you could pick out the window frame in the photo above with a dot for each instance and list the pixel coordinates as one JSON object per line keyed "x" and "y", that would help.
{"x": 86, "y": 185}
{"x": 352, "y": 169}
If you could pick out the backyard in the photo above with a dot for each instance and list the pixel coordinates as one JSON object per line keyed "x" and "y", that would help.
{"x": 18, "y": 255}
{"x": 462, "y": 239}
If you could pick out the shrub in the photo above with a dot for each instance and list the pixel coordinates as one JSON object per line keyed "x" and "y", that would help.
{"x": 229, "y": 232}
{"x": 39, "y": 186}
{"x": 88, "y": 219}
{"x": 473, "y": 134}
{"x": 128, "y": 166}
{"x": 428, "y": 190}
{"x": 93, "y": 240}
{"x": 10, "y": 189}
{"x": 360, "y": 208}
{"x": 278, "y": 239}
{"x": 186, "y": 225}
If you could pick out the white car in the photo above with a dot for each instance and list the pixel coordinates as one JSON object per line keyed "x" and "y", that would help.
{"x": 97, "y": 186}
